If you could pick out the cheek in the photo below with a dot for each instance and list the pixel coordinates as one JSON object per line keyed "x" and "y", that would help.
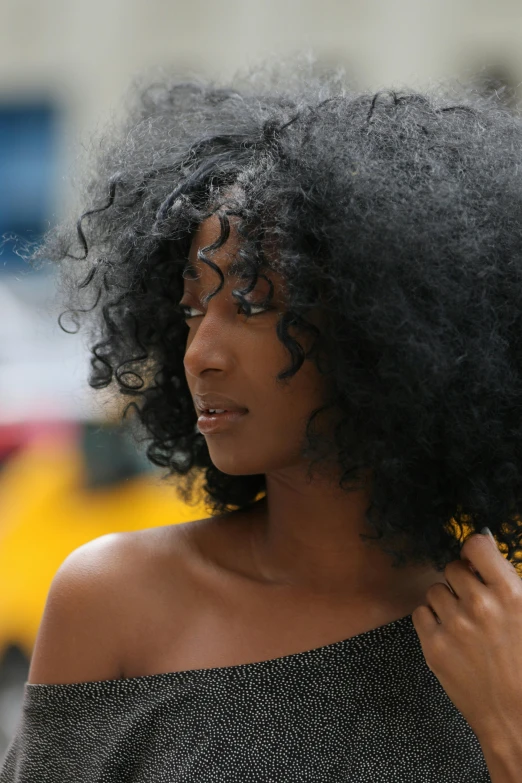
{"x": 273, "y": 437}
{"x": 292, "y": 401}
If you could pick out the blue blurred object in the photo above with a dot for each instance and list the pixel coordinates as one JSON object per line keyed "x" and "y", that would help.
{"x": 27, "y": 172}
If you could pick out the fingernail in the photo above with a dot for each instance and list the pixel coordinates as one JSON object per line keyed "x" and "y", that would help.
{"x": 487, "y": 532}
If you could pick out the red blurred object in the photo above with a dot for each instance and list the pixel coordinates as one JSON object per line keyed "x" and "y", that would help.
{"x": 16, "y": 435}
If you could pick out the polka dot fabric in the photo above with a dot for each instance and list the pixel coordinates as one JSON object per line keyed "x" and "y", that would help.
{"x": 364, "y": 710}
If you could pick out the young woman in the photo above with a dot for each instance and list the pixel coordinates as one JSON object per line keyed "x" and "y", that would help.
{"x": 311, "y": 297}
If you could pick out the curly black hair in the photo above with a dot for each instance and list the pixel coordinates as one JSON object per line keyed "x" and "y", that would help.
{"x": 399, "y": 212}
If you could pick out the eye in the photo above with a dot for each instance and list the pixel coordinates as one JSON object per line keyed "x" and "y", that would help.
{"x": 185, "y": 310}
{"x": 252, "y": 308}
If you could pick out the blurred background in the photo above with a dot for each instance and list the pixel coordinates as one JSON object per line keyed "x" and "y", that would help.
{"x": 69, "y": 473}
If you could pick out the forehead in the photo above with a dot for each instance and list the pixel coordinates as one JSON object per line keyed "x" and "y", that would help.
{"x": 208, "y": 233}
{"x": 226, "y": 256}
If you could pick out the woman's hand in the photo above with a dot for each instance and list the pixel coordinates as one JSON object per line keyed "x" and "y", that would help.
{"x": 476, "y": 650}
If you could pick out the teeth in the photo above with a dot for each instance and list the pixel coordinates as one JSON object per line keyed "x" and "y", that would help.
{"x": 215, "y": 410}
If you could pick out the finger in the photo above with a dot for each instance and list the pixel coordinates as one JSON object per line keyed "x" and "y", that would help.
{"x": 461, "y": 577}
{"x": 424, "y": 620}
{"x": 441, "y": 600}
{"x": 486, "y": 560}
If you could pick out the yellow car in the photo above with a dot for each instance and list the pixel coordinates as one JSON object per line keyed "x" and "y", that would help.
{"x": 59, "y": 493}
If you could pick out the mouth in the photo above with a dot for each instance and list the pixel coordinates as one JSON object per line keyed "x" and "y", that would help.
{"x": 211, "y": 421}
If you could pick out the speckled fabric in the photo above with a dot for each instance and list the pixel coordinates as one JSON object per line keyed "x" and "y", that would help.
{"x": 366, "y": 709}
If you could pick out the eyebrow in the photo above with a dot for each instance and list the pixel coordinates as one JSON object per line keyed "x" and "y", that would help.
{"x": 231, "y": 270}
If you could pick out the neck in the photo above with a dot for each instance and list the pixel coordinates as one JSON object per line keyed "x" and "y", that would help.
{"x": 307, "y": 536}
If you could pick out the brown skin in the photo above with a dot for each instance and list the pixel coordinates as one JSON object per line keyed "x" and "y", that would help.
{"x": 290, "y": 574}
{"x": 308, "y": 535}
{"x": 287, "y": 575}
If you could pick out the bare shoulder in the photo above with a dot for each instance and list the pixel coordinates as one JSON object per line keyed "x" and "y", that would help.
{"x": 78, "y": 639}
{"x": 113, "y": 595}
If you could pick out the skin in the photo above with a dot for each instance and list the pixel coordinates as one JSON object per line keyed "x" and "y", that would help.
{"x": 286, "y": 575}
{"x": 289, "y": 574}
{"x": 304, "y": 536}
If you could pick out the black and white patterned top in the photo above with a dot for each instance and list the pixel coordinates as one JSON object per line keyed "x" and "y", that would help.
{"x": 365, "y": 710}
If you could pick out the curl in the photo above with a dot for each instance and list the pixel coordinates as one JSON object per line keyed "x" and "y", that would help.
{"x": 397, "y": 211}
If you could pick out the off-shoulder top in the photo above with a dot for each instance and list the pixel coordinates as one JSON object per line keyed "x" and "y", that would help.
{"x": 364, "y": 710}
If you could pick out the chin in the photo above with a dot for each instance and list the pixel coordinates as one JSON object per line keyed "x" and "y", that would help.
{"x": 234, "y": 464}
{"x": 250, "y": 461}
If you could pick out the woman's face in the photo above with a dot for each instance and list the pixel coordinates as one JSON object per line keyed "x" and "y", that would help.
{"x": 239, "y": 357}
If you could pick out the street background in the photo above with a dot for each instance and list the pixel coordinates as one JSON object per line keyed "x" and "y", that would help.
{"x": 68, "y": 471}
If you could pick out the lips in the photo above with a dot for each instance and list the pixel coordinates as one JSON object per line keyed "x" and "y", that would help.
{"x": 206, "y": 402}
{"x": 214, "y": 423}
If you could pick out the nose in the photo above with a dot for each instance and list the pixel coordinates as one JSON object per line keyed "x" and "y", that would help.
{"x": 208, "y": 346}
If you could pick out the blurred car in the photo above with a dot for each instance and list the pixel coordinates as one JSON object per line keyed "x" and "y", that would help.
{"x": 60, "y": 487}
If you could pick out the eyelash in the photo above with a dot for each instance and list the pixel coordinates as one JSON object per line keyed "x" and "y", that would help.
{"x": 185, "y": 308}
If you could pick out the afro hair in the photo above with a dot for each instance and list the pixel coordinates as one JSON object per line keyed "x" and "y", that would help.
{"x": 399, "y": 211}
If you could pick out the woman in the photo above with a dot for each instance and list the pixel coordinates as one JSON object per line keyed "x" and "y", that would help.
{"x": 310, "y": 296}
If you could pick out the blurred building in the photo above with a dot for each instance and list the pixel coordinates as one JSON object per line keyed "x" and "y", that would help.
{"x": 66, "y": 65}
